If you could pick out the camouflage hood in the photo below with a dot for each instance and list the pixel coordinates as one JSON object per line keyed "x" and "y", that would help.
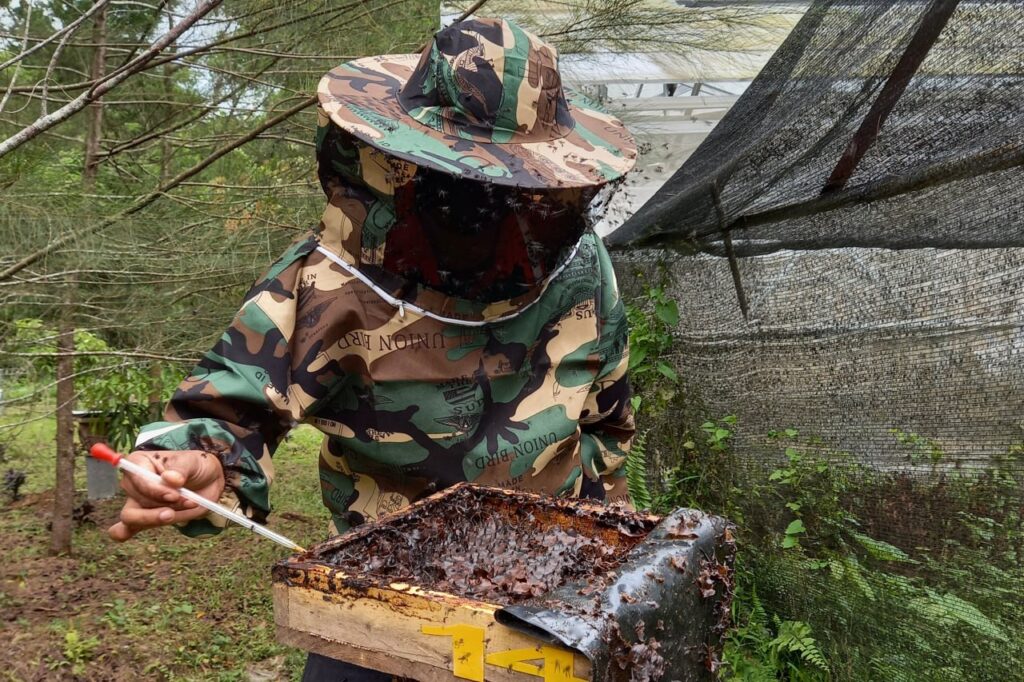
{"x": 458, "y": 180}
{"x": 484, "y": 101}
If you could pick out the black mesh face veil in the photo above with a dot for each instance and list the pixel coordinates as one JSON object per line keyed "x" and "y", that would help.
{"x": 481, "y": 241}
{"x": 461, "y": 237}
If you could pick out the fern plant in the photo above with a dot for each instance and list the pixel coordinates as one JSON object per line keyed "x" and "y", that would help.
{"x": 767, "y": 648}
{"x": 636, "y": 473}
{"x": 794, "y": 638}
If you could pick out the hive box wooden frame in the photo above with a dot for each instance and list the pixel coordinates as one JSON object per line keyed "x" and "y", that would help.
{"x": 413, "y": 632}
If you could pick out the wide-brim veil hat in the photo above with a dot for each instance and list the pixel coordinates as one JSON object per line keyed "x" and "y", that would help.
{"x": 483, "y": 101}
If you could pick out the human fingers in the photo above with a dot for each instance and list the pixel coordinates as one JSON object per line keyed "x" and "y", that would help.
{"x": 136, "y": 518}
{"x": 193, "y": 469}
{"x": 143, "y": 490}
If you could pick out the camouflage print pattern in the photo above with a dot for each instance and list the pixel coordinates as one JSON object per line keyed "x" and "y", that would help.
{"x": 410, "y": 404}
{"x": 483, "y": 101}
{"x": 414, "y": 389}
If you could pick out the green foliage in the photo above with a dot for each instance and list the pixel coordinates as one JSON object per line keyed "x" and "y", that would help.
{"x": 654, "y": 380}
{"x": 636, "y": 473}
{"x": 78, "y": 652}
{"x": 650, "y": 335}
{"x": 190, "y": 624}
{"x": 168, "y": 279}
{"x": 919, "y": 449}
{"x": 26, "y": 438}
{"x": 844, "y": 571}
{"x": 763, "y": 647}
{"x": 117, "y": 389}
{"x": 890, "y": 575}
{"x": 699, "y": 474}
{"x": 793, "y": 532}
{"x": 794, "y": 641}
{"x": 950, "y": 610}
{"x": 717, "y": 435}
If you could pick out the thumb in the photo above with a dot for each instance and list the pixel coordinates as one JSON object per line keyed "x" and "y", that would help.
{"x": 120, "y": 532}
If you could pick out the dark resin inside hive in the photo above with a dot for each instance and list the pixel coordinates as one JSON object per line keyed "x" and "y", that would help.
{"x": 492, "y": 545}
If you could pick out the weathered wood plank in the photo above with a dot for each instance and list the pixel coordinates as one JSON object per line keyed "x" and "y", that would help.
{"x": 374, "y": 660}
{"x": 390, "y": 631}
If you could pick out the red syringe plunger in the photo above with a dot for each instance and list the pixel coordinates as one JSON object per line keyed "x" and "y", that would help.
{"x": 106, "y": 453}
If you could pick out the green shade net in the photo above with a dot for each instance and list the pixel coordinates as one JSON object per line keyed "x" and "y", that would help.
{"x": 868, "y": 187}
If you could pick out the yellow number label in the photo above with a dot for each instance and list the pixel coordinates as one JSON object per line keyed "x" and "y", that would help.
{"x": 467, "y": 649}
{"x": 469, "y": 656}
{"x": 556, "y": 664}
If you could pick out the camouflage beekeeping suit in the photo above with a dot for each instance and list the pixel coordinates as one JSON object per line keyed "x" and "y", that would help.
{"x": 420, "y": 376}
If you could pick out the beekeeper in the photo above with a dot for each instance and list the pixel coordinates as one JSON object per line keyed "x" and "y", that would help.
{"x": 452, "y": 318}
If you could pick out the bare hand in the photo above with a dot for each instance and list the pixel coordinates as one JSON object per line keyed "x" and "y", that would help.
{"x": 150, "y": 506}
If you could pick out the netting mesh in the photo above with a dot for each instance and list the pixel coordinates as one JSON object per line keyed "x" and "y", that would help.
{"x": 869, "y": 184}
{"x": 942, "y": 167}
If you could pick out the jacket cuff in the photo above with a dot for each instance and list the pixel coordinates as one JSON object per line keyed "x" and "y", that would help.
{"x": 211, "y": 523}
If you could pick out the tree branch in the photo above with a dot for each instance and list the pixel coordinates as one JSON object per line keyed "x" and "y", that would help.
{"x": 148, "y": 199}
{"x": 43, "y": 106}
{"x": 212, "y": 47}
{"x": 108, "y": 83}
{"x": 66, "y": 31}
{"x": 203, "y": 111}
{"x": 24, "y": 43}
{"x": 101, "y": 353}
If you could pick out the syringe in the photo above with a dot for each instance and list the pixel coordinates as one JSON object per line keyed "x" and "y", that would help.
{"x": 104, "y": 452}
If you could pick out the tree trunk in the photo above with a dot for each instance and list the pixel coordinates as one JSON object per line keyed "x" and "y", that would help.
{"x": 156, "y": 397}
{"x": 94, "y": 130}
{"x": 64, "y": 488}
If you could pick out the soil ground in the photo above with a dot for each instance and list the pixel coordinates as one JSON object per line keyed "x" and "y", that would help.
{"x": 160, "y": 607}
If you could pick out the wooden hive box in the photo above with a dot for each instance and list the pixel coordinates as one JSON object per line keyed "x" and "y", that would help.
{"x": 411, "y": 630}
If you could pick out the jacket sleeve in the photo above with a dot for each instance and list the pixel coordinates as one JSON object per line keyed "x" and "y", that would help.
{"x": 607, "y": 419}
{"x": 237, "y": 403}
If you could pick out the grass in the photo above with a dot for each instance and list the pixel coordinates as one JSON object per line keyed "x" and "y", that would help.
{"x": 160, "y": 607}
{"x": 27, "y": 438}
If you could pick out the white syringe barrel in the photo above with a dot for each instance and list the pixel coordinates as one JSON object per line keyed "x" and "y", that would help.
{"x": 107, "y": 454}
